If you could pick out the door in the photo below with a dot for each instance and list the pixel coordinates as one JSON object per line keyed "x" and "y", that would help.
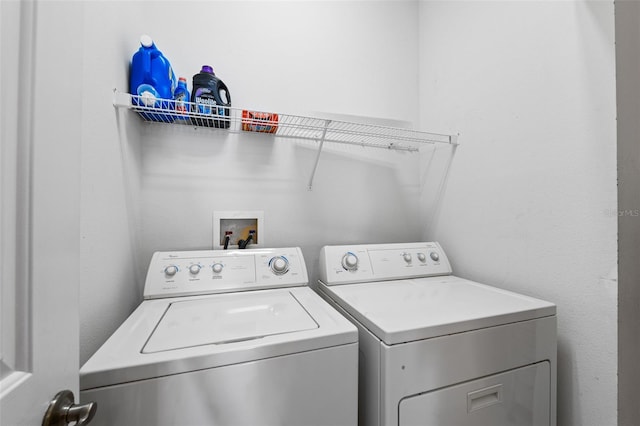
{"x": 39, "y": 191}
{"x": 519, "y": 397}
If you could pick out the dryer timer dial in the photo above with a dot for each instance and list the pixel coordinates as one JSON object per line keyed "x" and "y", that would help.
{"x": 350, "y": 261}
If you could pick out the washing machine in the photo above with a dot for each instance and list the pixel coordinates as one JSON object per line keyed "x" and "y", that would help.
{"x": 227, "y": 338}
{"x": 440, "y": 350}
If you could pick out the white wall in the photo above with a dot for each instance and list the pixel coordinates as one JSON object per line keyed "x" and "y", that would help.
{"x": 110, "y": 280}
{"x": 155, "y": 187}
{"x": 530, "y": 200}
{"x": 347, "y": 58}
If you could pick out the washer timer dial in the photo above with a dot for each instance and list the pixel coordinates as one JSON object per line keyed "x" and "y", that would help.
{"x": 171, "y": 270}
{"x": 279, "y": 265}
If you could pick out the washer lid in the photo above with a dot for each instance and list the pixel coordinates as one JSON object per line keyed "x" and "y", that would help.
{"x": 121, "y": 358}
{"x": 235, "y": 318}
{"x": 408, "y": 310}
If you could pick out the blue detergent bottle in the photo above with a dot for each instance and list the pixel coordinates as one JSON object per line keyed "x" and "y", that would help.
{"x": 152, "y": 80}
{"x": 182, "y": 98}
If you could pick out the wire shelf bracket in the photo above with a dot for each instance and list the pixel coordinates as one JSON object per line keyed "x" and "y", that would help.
{"x": 320, "y": 146}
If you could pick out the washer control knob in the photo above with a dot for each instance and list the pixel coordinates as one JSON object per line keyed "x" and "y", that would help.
{"x": 350, "y": 261}
{"x": 279, "y": 265}
{"x": 434, "y": 256}
{"x": 422, "y": 257}
{"x": 406, "y": 257}
{"x": 217, "y": 268}
{"x": 171, "y": 270}
{"x": 194, "y": 269}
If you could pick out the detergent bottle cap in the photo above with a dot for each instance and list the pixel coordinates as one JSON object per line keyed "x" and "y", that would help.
{"x": 183, "y": 79}
{"x": 146, "y": 41}
{"x": 207, "y": 69}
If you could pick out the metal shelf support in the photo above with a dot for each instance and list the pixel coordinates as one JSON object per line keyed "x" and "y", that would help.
{"x": 315, "y": 165}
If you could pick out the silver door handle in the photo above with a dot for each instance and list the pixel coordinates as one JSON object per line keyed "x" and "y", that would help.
{"x": 62, "y": 411}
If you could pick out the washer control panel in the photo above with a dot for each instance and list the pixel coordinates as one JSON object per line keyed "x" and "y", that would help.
{"x": 381, "y": 262}
{"x": 186, "y": 273}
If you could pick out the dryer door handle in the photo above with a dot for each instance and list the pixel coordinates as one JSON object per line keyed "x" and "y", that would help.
{"x": 483, "y": 398}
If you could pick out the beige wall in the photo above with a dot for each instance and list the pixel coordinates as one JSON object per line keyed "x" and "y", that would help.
{"x": 628, "y": 99}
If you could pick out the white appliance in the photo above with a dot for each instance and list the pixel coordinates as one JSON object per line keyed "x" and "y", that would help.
{"x": 440, "y": 350}
{"x": 227, "y": 338}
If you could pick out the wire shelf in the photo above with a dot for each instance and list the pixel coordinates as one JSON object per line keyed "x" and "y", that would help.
{"x": 233, "y": 119}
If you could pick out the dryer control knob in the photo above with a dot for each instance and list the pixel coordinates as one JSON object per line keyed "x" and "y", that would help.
{"x": 217, "y": 268}
{"x": 194, "y": 269}
{"x": 279, "y": 265}
{"x": 435, "y": 256}
{"x": 350, "y": 261}
{"x": 171, "y": 270}
{"x": 407, "y": 257}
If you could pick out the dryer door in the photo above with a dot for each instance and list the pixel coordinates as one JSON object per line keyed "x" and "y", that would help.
{"x": 518, "y": 397}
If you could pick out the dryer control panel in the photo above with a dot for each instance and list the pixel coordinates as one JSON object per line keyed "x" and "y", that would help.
{"x": 381, "y": 262}
{"x": 187, "y": 273}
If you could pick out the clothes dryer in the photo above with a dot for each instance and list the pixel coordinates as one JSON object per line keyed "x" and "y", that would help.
{"x": 227, "y": 338}
{"x": 436, "y": 349}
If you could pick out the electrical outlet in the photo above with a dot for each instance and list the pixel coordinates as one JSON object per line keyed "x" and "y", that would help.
{"x": 238, "y": 225}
